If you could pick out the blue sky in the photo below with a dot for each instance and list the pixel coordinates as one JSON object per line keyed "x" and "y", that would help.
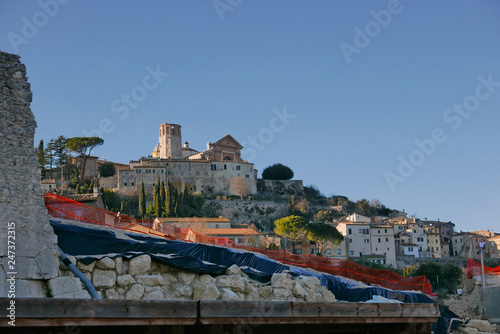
{"x": 353, "y": 116}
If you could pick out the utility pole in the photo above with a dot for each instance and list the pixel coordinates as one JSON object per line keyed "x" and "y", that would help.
{"x": 481, "y": 248}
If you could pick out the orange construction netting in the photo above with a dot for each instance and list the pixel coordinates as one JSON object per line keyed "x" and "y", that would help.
{"x": 65, "y": 208}
{"x": 474, "y": 269}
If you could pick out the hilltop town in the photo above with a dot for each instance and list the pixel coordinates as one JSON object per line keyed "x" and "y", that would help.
{"x": 228, "y": 200}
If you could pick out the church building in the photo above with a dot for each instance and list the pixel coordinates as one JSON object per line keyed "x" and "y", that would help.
{"x": 207, "y": 172}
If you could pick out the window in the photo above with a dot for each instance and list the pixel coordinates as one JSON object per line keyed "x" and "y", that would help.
{"x": 179, "y": 166}
{"x": 153, "y": 171}
{"x": 328, "y": 251}
{"x": 247, "y": 176}
{"x": 225, "y": 166}
{"x": 378, "y": 231}
{"x": 132, "y": 184}
{"x": 378, "y": 239}
{"x": 138, "y": 171}
{"x": 298, "y": 251}
{"x": 125, "y": 184}
{"x": 162, "y": 171}
{"x": 238, "y": 167}
{"x": 214, "y": 167}
{"x": 367, "y": 241}
{"x": 385, "y": 230}
{"x": 387, "y": 239}
{"x": 350, "y": 240}
{"x": 166, "y": 164}
{"x": 352, "y": 253}
{"x": 339, "y": 251}
{"x": 366, "y": 231}
{"x": 189, "y": 167}
{"x": 312, "y": 251}
{"x": 350, "y": 231}
{"x": 168, "y": 173}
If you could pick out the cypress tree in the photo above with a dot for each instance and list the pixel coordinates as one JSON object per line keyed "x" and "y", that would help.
{"x": 142, "y": 200}
{"x": 156, "y": 198}
{"x": 168, "y": 200}
{"x": 162, "y": 198}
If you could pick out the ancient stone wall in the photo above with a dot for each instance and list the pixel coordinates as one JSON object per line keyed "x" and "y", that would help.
{"x": 27, "y": 242}
{"x": 144, "y": 278}
{"x": 280, "y": 188}
{"x": 260, "y": 213}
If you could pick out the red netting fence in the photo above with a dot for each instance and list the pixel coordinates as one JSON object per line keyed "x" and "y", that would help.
{"x": 65, "y": 208}
{"x": 474, "y": 269}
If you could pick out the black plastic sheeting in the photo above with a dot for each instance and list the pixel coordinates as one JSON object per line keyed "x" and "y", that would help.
{"x": 90, "y": 244}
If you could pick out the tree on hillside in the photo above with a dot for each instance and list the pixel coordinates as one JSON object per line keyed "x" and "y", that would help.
{"x": 107, "y": 169}
{"x": 142, "y": 200}
{"x": 323, "y": 235}
{"x": 83, "y": 146}
{"x": 291, "y": 228}
{"x": 41, "y": 154}
{"x": 60, "y": 151}
{"x": 445, "y": 276}
{"x": 240, "y": 187}
{"x": 41, "y": 157}
{"x": 277, "y": 172}
{"x": 326, "y": 215}
{"x": 363, "y": 208}
{"x": 50, "y": 156}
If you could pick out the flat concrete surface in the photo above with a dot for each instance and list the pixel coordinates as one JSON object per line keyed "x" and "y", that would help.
{"x": 491, "y": 296}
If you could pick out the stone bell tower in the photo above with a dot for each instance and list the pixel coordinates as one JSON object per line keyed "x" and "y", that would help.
{"x": 170, "y": 141}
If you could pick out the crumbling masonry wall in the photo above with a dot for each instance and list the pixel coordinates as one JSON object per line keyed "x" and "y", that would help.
{"x": 23, "y": 217}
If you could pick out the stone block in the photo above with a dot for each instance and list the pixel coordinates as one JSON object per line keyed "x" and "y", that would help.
{"x": 206, "y": 292}
{"x": 156, "y": 294}
{"x": 327, "y": 295}
{"x": 47, "y": 265}
{"x": 31, "y": 289}
{"x": 253, "y": 293}
{"x": 85, "y": 267}
{"x": 169, "y": 279}
{"x": 481, "y": 325}
{"x": 119, "y": 265}
{"x": 186, "y": 278}
{"x": 140, "y": 265}
{"x": 205, "y": 279}
{"x": 125, "y": 280}
{"x": 28, "y": 269}
{"x": 103, "y": 278}
{"x": 282, "y": 280}
{"x": 265, "y": 291}
{"x": 82, "y": 294}
{"x": 309, "y": 282}
{"x": 232, "y": 282}
{"x": 136, "y": 291}
{"x": 234, "y": 270}
{"x": 150, "y": 280}
{"x": 280, "y": 294}
{"x": 111, "y": 294}
{"x": 62, "y": 285}
{"x": 105, "y": 263}
{"x": 181, "y": 292}
{"x": 228, "y": 294}
{"x": 298, "y": 291}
